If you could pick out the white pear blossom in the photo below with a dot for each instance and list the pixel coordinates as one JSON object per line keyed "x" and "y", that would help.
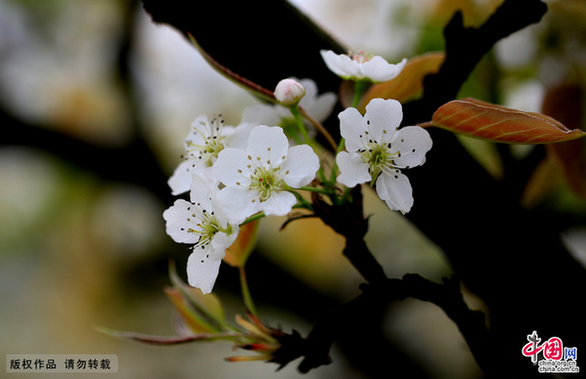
{"x": 259, "y": 178}
{"x": 320, "y": 107}
{"x": 361, "y": 66}
{"x": 202, "y": 146}
{"x": 201, "y": 222}
{"x": 378, "y": 151}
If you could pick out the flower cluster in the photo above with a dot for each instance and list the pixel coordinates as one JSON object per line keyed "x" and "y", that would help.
{"x": 237, "y": 174}
{"x": 377, "y": 149}
{"x": 233, "y": 173}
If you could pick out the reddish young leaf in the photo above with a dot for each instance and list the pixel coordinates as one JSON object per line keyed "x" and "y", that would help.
{"x": 170, "y": 340}
{"x": 496, "y": 123}
{"x": 189, "y": 315}
{"x": 565, "y": 104}
{"x": 201, "y": 313}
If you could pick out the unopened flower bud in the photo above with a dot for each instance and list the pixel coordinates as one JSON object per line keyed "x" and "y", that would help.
{"x": 289, "y": 92}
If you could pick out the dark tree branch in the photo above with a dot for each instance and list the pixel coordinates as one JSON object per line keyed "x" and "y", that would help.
{"x": 270, "y": 38}
{"x": 517, "y": 172}
{"x": 471, "y": 324}
{"x": 133, "y": 162}
{"x": 348, "y": 220}
{"x": 493, "y": 244}
{"x": 315, "y": 348}
{"x": 465, "y": 47}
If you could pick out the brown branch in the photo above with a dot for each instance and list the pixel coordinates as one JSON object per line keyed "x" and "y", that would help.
{"x": 348, "y": 220}
{"x": 315, "y": 348}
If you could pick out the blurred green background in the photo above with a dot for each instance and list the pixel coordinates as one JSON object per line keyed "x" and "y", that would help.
{"x": 78, "y": 250}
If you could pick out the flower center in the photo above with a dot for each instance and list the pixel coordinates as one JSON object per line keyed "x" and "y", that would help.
{"x": 212, "y": 141}
{"x": 361, "y": 56}
{"x": 376, "y": 152}
{"x": 378, "y": 157}
{"x": 206, "y": 225}
{"x": 266, "y": 180}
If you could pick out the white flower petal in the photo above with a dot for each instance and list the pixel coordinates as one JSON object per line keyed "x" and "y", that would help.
{"x": 396, "y": 191}
{"x": 351, "y": 128}
{"x": 378, "y": 69}
{"x": 353, "y": 170}
{"x": 322, "y": 107}
{"x": 260, "y": 114}
{"x": 279, "y": 204}
{"x": 238, "y": 203}
{"x": 238, "y": 138}
{"x": 202, "y": 271}
{"x": 311, "y": 92}
{"x": 300, "y": 166}
{"x": 180, "y": 181}
{"x": 230, "y": 238}
{"x": 230, "y": 168}
{"x": 267, "y": 144}
{"x": 413, "y": 142}
{"x": 220, "y": 243}
{"x": 341, "y": 64}
{"x": 202, "y": 125}
{"x": 203, "y": 187}
{"x": 383, "y": 116}
{"x": 176, "y": 222}
{"x": 222, "y": 217}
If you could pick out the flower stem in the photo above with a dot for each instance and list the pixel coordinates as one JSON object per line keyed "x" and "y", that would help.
{"x": 334, "y": 173}
{"x": 426, "y": 124}
{"x": 246, "y": 291}
{"x": 248, "y": 358}
{"x": 320, "y": 128}
{"x": 302, "y": 203}
{"x": 295, "y": 111}
{"x": 252, "y": 218}
{"x": 315, "y": 189}
{"x": 359, "y": 89}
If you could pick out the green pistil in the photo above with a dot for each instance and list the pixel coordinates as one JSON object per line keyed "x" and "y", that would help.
{"x": 208, "y": 228}
{"x": 210, "y": 150}
{"x": 377, "y": 156}
{"x": 265, "y": 181}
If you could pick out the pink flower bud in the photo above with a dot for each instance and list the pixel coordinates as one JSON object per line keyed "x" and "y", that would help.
{"x": 289, "y": 92}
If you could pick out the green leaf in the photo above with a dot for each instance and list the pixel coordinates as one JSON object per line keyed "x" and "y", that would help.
{"x": 496, "y": 123}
